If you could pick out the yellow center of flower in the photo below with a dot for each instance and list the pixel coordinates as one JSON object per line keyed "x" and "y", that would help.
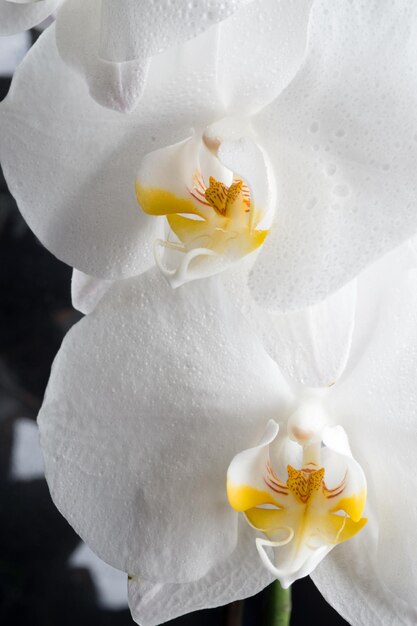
{"x": 301, "y": 517}
{"x": 218, "y": 217}
{"x": 305, "y": 482}
{"x": 303, "y": 497}
{"x": 222, "y": 198}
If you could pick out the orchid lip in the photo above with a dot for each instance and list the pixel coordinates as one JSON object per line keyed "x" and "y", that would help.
{"x": 211, "y": 214}
{"x": 303, "y": 512}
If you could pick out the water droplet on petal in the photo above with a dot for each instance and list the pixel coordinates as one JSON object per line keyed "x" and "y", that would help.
{"x": 311, "y": 203}
{"x": 330, "y": 169}
{"x": 341, "y": 190}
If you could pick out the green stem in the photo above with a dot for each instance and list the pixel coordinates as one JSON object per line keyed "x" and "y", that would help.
{"x": 277, "y": 607}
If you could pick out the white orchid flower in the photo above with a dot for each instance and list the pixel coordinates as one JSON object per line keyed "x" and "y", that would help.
{"x": 160, "y": 396}
{"x": 309, "y": 106}
{"x": 110, "y": 42}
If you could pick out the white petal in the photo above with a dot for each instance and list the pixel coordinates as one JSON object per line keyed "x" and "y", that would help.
{"x": 117, "y": 86}
{"x": 114, "y": 85}
{"x": 341, "y": 467}
{"x": 250, "y": 164}
{"x": 16, "y": 16}
{"x": 349, "y": 581}
{"x": 143, "y": 28}
{"x": 374, "y": 292}
{"x": 172, "y": 168}
{"x": 239, "y": 576}
{"x": 311, "y": 346}
{"x": 111, "y": 44}
{"x": 81, "y": 204}
{"x": 148, "y": 402}
{"x": 377, "y": 403}
{"x": 342, "y": 139}
{"x": 247, "y": 469}
{"x": 271, "y": 36}
{"x": 87, "y": 291}
{"x": 290, "y": 567}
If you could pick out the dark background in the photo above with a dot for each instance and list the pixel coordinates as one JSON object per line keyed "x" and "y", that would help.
{"x": 37, "y": 584}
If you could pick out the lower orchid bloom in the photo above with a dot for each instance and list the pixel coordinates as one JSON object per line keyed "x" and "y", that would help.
{"x": 206, "y": 447}
{"x": 292, "y": 100}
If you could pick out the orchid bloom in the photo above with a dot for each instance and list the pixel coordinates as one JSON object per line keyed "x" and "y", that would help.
{"x": 304, "y": 110}
{"x": 211, "y": 446}
{"x": 110, "y": 42}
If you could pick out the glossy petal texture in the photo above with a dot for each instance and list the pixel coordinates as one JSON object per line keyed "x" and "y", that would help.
{"x": 17, "y": 16}
{"x": 312, "y": 346}
{"x": 349, "y": 580}
{"x": 383, "y": 428}
{"x": 273, "y": 51}
{"x": 342, "y": 140}
{"x": 142, "y": 28}
{"x": 375, "y": 399}
{"x": 239, "y": 576}
{"x": 206, "y": 402}
{"x": 249, "y": 163}
{"x": 137, "y": 458}
{"x": 110, "y": 42}
{"x": 114, "y": 85}
{"x": 81, "y": 204}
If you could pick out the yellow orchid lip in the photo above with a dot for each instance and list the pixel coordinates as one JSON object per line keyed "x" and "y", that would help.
{"x": 216, "y": 212}
{"x": 209, "y": 220}
{"x": 301, "y": 517}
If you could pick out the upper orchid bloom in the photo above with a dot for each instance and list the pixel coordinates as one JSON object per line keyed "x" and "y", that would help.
{"x": 214, "y": 217}
{"x": 110, "y": 42}
{"x": 93, "y": 221}
{"x": 310, "y": 104}
{"x": 206, "y": 453}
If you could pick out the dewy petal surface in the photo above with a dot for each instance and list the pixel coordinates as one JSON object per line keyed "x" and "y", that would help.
{"x": 311, "y": 346}
{"x": 273, "y": 52}
{"x": 349, "y": 580}
{"x": 137, "y": 458}
{"x": 141, "y": 28}
{"x": 17, "y": 16}
{"x": 239, "y": 576}
{"x": 342, "y": 140}
{"x": 81, "y": 204}
{"x": 110, "y": 42}
{"x": 112, "y": 84}
{"x": 383, "y": 437}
